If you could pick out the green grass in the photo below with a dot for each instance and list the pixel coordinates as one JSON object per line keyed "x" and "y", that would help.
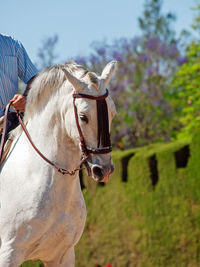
{"x": 32, "y": 264}
{"x": 135, "y": 223}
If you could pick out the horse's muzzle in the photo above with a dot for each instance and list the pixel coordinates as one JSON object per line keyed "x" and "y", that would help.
{"x": 99, "y": 173}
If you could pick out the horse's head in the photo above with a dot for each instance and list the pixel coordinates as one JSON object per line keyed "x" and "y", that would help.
{"x": 93, "y": 111}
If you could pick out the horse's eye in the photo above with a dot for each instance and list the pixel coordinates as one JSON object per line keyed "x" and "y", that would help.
{"x": 84, "y": 118}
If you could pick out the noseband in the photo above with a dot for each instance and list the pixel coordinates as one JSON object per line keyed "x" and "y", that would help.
{"x": 103, "y": 138}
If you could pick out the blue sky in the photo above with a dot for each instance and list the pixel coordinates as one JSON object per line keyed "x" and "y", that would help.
{"x": 80, "y": 22}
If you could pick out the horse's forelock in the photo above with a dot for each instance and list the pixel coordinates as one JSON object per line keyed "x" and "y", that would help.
{"x": 47, "y": 83}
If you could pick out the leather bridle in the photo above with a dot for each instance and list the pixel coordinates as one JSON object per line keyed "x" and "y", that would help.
{"x": 85, "y": 150}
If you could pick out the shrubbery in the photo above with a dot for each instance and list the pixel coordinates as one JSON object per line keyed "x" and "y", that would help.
{"x": 156, "y": 88}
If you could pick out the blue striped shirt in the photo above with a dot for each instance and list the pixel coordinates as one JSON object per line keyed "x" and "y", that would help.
{"x": 14, "y": 64}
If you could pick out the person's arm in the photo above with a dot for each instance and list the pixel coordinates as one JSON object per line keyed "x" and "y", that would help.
{"x": 26, "y": 72}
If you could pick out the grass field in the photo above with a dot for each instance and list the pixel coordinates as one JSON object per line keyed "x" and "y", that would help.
{"x": 148, "y": 214}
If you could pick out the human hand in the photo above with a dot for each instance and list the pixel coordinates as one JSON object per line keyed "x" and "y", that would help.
{"x": 18, "y": 102}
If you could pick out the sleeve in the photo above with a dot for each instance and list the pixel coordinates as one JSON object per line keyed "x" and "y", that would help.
{"x": 26, "y": 69}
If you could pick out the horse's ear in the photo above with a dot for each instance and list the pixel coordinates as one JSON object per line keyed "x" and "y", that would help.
{"x": 108, "y": 72}
{"x": 77, "y": 84}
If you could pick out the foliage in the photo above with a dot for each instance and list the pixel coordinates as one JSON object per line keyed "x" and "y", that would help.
{"x": 196, "y": 23}
{"x": 155, "y": 24}
{"x": 146, "y": 66}
{"x": 46, "y": 52}
{"x": 141, "y": 88}
{"x": 185, "y": 91}
{"x": 37, "y": 263}
{"x": 138, "y": 224}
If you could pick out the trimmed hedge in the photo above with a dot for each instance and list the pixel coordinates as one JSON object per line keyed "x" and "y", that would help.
{"x": 149, "y": 212}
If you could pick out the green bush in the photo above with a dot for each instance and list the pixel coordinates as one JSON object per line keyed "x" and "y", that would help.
{"x": 149, "y": 218}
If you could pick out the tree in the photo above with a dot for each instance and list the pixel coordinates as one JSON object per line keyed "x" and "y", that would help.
{"x": 185, "y": 92}
{"x": 185, "y": 87}
{"x": 46, "y": 52}
{"x": 141, "y": 86}
{"x": 146, "y": 66}
{"x": 196, "y": 23}
{"x": 154, "y": 24}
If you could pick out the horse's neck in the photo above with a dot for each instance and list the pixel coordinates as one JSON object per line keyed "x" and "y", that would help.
{"x": 50, "y": 138}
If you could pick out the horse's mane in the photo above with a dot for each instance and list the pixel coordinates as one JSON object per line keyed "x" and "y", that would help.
{"x": 49, "y": 81}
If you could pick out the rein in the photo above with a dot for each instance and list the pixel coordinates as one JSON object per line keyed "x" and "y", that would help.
{"x": 5, "y": 127}
{"x": 59, "y": 169}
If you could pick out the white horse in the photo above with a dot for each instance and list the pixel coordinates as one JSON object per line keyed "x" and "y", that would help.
{"x": 42, "y": 212}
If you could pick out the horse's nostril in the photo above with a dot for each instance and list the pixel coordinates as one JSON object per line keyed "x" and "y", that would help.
{"x": 97, "y": 171}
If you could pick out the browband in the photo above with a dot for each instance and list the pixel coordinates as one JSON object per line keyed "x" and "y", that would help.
{"x": 101, "y": 97}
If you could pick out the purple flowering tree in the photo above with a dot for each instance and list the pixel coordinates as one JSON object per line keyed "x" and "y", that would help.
{"x": 140, "y": 87}
{"x": 145, "y": 70}
{"x": 46, "y": 53}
